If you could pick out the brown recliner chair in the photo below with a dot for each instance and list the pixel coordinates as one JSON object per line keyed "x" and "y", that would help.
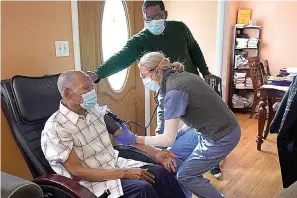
{"x": 27, "y": 102}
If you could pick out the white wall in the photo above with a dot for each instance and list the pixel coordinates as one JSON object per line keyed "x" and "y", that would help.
{"x": 201, "y": 18}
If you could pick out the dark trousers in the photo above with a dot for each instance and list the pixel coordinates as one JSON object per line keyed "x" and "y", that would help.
{"x": 165, "y": 185}
{"x": 288, "y": 162}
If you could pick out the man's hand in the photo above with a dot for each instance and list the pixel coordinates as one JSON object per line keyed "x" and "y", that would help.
{"x": 209, "y": 76}
{"x": 138, "y": 173}
{"x": 127, "y": 137}
{"x": 93, "y": 76}
{"x": 166, "y": 158}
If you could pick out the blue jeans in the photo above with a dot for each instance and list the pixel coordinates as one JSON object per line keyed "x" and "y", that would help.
{"x": 205, "y": 155}
{"x": 165, "y": 186}
{"x": 184, "y": 144}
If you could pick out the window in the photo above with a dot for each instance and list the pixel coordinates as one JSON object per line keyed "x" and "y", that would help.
{"x": 115, "y": 33}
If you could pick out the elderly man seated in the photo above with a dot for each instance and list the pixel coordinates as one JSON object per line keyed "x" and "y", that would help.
{"x": 76, "y": 143}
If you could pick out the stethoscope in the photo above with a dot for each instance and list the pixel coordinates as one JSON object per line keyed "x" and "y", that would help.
{"x": 156, "y": 95}
{"x": 128, "y": 122}
{"x": 211, "y": 82}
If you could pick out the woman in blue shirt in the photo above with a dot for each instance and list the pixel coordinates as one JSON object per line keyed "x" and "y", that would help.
{"x": 186, "y": 139}
{"x": 188, "y": 98}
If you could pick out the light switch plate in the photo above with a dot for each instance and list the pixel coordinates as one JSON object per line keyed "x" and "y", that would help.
{"x": 62, "y": 48}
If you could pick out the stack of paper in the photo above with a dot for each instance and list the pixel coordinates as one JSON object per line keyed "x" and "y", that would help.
{"x": 240, "y": 25}
{"x": 280, "y": 88}
{"x": 253, "y": 43}
{"x": 241, "y": 43}
{"x": 239, "y": 102}
{"x": 248, "y": 83}
{"x": 239, "y": 80}
{"x": 283, "y": 72}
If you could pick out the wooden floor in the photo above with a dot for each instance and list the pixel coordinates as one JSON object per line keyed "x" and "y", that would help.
{"x": 248, "y": 172}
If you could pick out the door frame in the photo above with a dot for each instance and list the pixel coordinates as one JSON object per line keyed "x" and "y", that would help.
{"x": 78, "y": 61}
{"x": 222, "y": 44}
{"x": 75, "y": 35}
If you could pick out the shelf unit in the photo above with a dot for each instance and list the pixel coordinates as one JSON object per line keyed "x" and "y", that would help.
{"x": 254, "y": 51}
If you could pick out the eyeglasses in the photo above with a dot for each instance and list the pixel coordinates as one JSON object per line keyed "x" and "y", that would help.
{"x": 156, "y": 17}
{"x": 148, "y": 74}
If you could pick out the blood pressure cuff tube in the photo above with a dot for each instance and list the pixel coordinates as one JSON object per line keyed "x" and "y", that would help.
{"x": 111, "y": 125}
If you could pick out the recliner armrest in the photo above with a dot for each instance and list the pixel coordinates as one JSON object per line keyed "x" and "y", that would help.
{"x": 13, "y": 187}
{"x": 72, "y": 187}
{"x": 130, "y": 152}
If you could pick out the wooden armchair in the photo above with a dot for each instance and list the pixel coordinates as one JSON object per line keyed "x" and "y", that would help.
{"x": 266, "y": 73}
{"x": 256, "y": 75}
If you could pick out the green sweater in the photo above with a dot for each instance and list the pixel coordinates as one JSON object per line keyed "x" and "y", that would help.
{"x": 176, "y": 42}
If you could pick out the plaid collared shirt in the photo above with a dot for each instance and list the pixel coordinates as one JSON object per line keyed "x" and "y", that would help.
{"x": 88, "y": 137}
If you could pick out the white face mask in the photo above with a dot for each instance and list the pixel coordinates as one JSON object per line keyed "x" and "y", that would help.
{"x": 150, "y": 84}
{"x": 89, "y": 99}
{"x": 156, "y": 27}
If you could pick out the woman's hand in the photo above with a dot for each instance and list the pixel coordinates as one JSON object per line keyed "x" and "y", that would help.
{"x": 166, "y": 158}
{"x": 126, "y": 137}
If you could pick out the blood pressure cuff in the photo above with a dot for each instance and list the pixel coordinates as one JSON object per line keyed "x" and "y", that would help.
{"x": 111, "y": 125}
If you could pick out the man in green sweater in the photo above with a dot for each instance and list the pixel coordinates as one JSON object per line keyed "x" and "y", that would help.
{"x": 173, "y": 38}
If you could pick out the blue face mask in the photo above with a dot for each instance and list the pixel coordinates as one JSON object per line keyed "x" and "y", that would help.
{"x": 150, "y": 84}
{"x": 89, "y": 100}
{"x": 156, "y": 27}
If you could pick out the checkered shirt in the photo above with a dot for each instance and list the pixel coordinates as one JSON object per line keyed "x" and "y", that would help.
{"x": 88, "y": 137}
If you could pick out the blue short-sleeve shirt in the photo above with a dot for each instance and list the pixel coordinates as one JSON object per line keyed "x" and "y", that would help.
{"x": 175, "y": 104}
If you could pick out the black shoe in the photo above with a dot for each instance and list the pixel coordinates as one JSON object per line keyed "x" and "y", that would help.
{"x": 216, "y": 172}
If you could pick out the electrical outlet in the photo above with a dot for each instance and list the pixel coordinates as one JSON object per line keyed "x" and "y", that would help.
{"x": 62, "y": 48}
